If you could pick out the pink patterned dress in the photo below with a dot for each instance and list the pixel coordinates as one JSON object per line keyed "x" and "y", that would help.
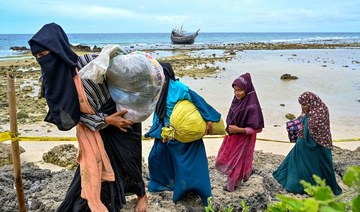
{"x": 236, "y": 152}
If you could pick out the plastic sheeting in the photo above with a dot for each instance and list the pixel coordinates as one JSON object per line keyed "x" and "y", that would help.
{"x": 96, "y": 69}
{"x": 135, "y": 81}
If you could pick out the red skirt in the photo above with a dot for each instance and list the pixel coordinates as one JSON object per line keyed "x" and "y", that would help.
{"x": 235, "y": 158}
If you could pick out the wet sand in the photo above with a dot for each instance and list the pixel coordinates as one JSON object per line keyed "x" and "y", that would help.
{"x": 333, "y": 74}
{"x": 35, "y": 150}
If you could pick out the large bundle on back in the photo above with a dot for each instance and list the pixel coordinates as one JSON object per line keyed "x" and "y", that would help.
{"x": 187, "y": 124}
{"x": 135, "y": 81}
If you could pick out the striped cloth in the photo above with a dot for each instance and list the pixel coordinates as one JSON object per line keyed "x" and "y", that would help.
{"x": 97, "y": 94}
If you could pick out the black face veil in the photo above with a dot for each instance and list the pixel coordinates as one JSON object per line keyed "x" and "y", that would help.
{"x": 58, "y": 70}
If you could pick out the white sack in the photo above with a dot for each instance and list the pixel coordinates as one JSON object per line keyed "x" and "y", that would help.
{"x": 96, "y": 69}
{"x": 135, "y": 82}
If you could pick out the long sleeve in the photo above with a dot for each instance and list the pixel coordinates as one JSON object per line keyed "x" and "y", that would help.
{"x": 207, "y": 112}
{"x": 97, "y": 95}
{"x": 250, "y": 131}
{"x": 93, "y": 122}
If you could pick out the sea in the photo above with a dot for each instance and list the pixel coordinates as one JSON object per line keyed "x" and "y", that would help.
{"x": 162, "y": 40}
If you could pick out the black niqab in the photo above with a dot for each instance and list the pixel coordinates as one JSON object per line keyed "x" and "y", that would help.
{"x": 160, "y": 108}
{"x": 58, "y": 70}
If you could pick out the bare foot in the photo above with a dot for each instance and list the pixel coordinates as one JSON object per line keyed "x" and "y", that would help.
{"x": 142, "y": 204}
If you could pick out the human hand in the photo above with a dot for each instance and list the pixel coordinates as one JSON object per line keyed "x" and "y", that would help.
{"x": 117, "y": 120}
{"x": 233, "y": 129}
{"x": 301, "y": 115}
{"x": 208, "y": 128}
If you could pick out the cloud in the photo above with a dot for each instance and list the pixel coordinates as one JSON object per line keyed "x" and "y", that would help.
{"x": 162, "y": 15}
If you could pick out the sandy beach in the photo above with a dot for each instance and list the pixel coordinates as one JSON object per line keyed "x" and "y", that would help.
{"x": 333, "y": 74}
{"x": 36, "y": 149}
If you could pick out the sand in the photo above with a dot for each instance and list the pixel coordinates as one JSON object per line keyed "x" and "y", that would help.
{"x": 35, "y": 150}
{"x": 333, "y": 74}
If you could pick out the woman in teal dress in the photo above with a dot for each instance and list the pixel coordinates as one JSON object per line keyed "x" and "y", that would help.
{"x": 311, "y": 154}
{"x": 173, "y": 165}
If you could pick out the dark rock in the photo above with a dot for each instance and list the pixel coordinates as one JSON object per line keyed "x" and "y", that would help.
{"x": 97, "y": 49}
{"x": 290, "y": 116}
{"x": 81, "y": 48}
{"x": 45, "y": 193}
{"x": 288, "y": 77}
{"x": 6, "y": 154}
{"x": 62, "y": 155}
{"x": 19, "y": 48}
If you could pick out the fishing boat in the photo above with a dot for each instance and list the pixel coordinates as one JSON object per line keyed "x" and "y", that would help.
{"x": 178, "y": 36}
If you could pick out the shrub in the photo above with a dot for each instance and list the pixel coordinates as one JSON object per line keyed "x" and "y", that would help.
{"x": 321, "y": 198}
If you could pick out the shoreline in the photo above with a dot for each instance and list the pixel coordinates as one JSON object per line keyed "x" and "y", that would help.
{"x": 333, "y": 74}
{"x": 239, "y": 46}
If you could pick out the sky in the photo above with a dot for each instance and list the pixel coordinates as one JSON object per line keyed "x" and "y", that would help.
{"x": 144, "y": 16}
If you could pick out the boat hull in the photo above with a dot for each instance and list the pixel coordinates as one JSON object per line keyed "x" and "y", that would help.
{"x": 183, "y": 39}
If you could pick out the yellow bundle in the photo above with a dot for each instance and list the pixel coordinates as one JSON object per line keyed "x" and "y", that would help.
{"x": 187, "y": 124}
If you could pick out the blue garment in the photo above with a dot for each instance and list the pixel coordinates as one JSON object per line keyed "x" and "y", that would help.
{"x": 176, "y": 166}
{"x": 306, "y": 158}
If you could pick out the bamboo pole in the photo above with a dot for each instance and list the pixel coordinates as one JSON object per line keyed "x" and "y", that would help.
{"x": 15, "y": 141}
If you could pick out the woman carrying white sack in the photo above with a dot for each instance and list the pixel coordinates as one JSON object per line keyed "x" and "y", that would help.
{"x": 125, "y": 144}
{"x": 134, "y": 80}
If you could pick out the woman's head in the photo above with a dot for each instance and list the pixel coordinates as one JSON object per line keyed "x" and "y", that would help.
{"x": 245, "y": 110}
{"x": 319, "y": 120}
{"x": 239, "y": 92}
{"x": 41, "y": 54}
{"x": 38, "y": 50}
{"x": 51, "y": 47}
{"x": 242, "y": 86}
{"x": 308, "y": 101}
{"x": 168, "y": 71}
{"x": 51, "y": 37}
{"x": 160, "y": 109}
{"x": 305, "y": 108}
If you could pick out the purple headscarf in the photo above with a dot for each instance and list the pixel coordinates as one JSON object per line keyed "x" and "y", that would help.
{"x": 245, "y": 112}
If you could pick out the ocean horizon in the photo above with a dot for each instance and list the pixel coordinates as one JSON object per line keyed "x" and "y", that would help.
{"x": 161, "y": 40}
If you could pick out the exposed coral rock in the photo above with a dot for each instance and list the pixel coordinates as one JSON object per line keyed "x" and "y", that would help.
{"x": 62, "y": 155}
{"x": 288, "y": 77}
{"x": 6, "y": 154}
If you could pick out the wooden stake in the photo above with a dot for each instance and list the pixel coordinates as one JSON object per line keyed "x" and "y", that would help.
{"x": 15, "y": 141}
